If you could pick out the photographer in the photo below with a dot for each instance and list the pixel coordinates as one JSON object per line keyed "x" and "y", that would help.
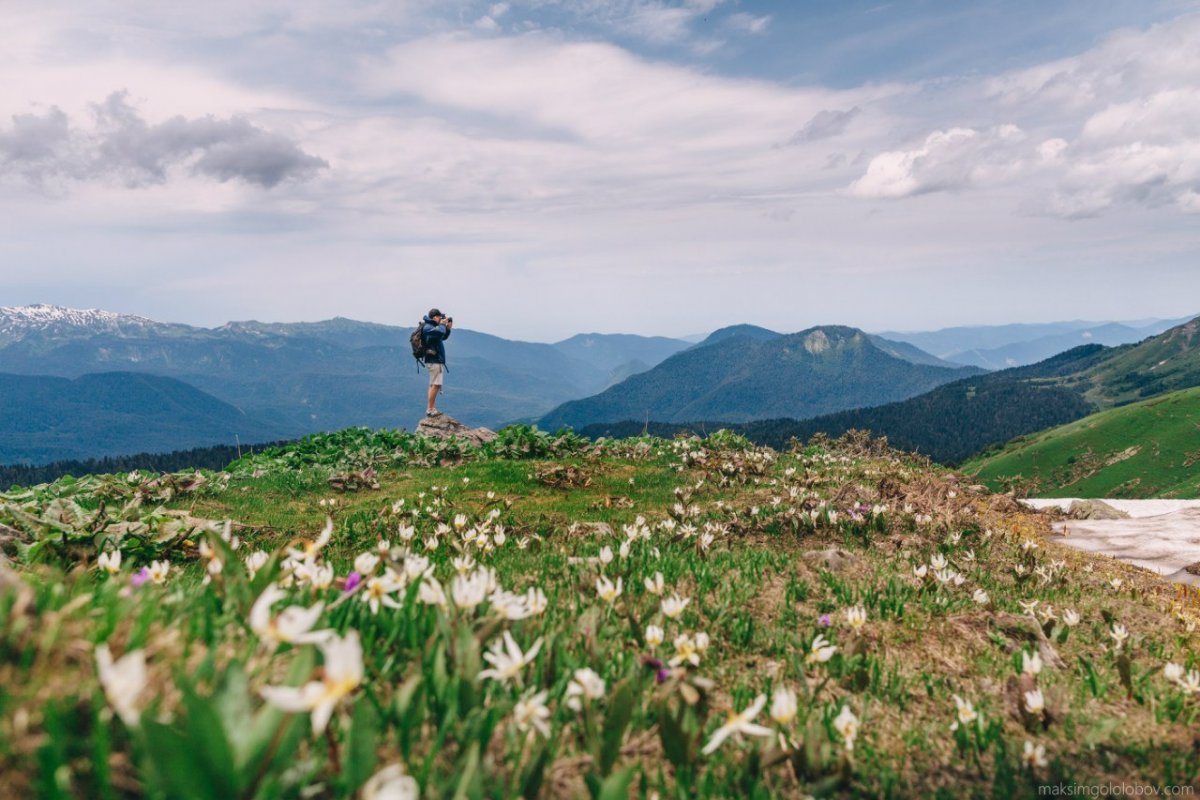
{"x": 435, "y": 329}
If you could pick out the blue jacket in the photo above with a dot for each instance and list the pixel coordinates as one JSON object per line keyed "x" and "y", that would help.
{"x": 434, "y": 335}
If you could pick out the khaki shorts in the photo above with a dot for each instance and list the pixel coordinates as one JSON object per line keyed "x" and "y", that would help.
{"x": 436, "y": 376}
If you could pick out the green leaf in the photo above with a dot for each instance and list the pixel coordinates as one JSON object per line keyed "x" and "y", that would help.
{"x": 208, "y": 742}
{"x": 616, "y": 786}
{"x": 232, "y": 703}
{"x": 469, "y": 769}
{"x": 360, "y": 746}
{"x": 535, "y": 773}
{"x": 674, "y": 741}
{"x": 274, "y": 736}
{"x": 620, "y": 713}
{"x": 178, "y": 767}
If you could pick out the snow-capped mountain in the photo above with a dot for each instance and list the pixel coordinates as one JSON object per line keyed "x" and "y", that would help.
{"x": 21, "y": 322}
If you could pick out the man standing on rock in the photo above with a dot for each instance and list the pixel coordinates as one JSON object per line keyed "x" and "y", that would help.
{"x": 435, "y": 329}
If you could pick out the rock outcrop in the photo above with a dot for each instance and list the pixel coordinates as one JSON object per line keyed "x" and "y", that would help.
{"x": 444, "y": 426}
{"x": 1094, "y": 509}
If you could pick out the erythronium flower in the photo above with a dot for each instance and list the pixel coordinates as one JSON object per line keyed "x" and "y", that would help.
{"x": 783, "y": 705}
{"x": 1027, "y": 606}
{"x": 585, "y": 685}
{"x": 431, "y": 593}
{"x": 821, "y": 651}
{"x": 531, "y": 711}
{"x": 123, "y": 681}
{"x": 256, "y": 561}
{"x": 1031, "y": 663}
{"x": 379, "y": 591}
{"x": 607, "y": 590}
{"x": 468, "y": 591}
{"x": 1070, "y": 617}
{"x": 965, "y": 712}
{"x": 507, "y": 660}
{"x": 311, "y": 549}
{"x": 1034, "y": 755}
{"x": 1189, "y": 683}
{"x": 1035, "y": 702}
{"x": 846, "y": 724}
{"x": 157, "y": 572}
{"x": 342, "y": 675}
{"x": 606, "y": 555}
{"x": 739, "y": 723}
{"x": 654, "y": 635}
{"x": 937, "y": 562}
{"x": 655, "y": 585}
{"x": 366, "y": 563}
{"x": 110, "y": 562}
{"x": 391, "y": 783}
{"x": 535, "y": 601}
{"x": 856, "y": 617}
{"x": 1119, "y": 634}
{"x": 981, "y": 597}
{"x": 672, "y": 607}
{"x": 292, "y": 625}
{"x": 686, "y": 651}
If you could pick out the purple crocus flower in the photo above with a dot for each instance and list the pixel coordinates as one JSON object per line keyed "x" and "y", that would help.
{"x": 824, "y": 621}
{"x": 140, "y": 578}
{"x": 352, "y": 582}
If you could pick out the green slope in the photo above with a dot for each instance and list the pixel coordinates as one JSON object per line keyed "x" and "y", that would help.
{"x": 1148, "y": 449}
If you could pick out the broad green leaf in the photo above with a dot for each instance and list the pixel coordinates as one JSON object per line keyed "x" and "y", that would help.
{"x": 616, "y": 786}
{"x": 620, "y": 713}
{"x": 360, "y": 745}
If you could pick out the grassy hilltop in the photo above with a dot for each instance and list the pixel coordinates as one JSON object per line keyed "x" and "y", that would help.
{"x": 551, "y": 617}
{"x": 1148, "y": 449}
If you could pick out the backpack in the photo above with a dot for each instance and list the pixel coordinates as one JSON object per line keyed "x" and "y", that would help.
{"x": 420, "y": 349}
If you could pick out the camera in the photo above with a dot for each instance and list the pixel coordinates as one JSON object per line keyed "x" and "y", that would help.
{"x": 450, "y": 320}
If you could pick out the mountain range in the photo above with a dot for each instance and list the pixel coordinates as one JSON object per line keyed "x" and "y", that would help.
{"x": 304, "y": 377}
{"x": 960, "y": 419}
{"x": 48, "y": 418}
{"x": 257, "y": 380}
{"x": 748, "y": 373}
{"x": 997, "y": 347}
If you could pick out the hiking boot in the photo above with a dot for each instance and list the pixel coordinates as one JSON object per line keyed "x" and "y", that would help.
{"x": 433, "y": 413}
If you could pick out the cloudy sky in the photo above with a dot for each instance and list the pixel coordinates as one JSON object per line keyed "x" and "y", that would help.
{"x": 543, "y": 167}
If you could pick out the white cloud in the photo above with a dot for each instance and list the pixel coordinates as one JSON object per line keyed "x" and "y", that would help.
{"x": 947, "y": 160}
{"x": 1118, "y": 125}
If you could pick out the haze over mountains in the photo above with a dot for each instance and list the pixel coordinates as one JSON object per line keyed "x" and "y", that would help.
{"x": 1003, "y": 346}
{"x": 259, "y": 381}
{"x": 304, "y": 377}
{"x": 957, "y": 420}
{"x": 750, "y": 373}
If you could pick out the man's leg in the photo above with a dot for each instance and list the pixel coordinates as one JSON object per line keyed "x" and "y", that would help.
{"x": 435, "y": 387}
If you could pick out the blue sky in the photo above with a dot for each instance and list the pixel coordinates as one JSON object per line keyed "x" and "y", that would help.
{"x": 543, "y": 167}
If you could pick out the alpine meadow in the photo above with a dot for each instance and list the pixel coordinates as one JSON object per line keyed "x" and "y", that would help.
{"x": 599, "y": 400}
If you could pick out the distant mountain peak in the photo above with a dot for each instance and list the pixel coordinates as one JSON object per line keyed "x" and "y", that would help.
{"x": 755, "y": 332}
{"x": 18, "y": 322}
